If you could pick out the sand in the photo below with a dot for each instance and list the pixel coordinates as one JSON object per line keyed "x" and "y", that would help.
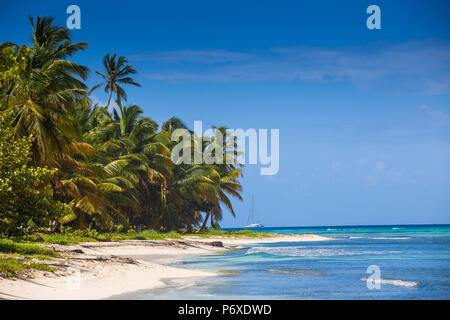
{"x": 99, "y": 270}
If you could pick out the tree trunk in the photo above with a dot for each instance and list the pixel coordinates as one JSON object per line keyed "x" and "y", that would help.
{"x": 109, "y": 100}
{"x": 205, "y": 221}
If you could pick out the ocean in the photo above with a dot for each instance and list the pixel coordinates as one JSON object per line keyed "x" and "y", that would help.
{"x": 361, "y": 262}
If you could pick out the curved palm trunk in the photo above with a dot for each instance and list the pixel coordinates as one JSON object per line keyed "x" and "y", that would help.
{"x": 123, "y": 126}
{"x": 122, "y": 120}
{"x": 205, "y": 221}
{"x": 109, "y": 100}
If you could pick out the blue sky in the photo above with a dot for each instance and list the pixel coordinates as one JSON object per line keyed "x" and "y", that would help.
{"x": 364, "y": 115}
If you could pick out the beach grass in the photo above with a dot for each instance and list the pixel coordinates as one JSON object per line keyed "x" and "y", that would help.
{"x": 10, "y": 267}
{"x": 9, "y": 246}
{"x": 155, "y": 235}
{"x": 224, "y": 233}
{"x": 80, "y": 236}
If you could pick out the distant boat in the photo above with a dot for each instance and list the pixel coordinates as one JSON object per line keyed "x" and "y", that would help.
{"x": 255, "y": 225}
{"x": 252, "y": 217}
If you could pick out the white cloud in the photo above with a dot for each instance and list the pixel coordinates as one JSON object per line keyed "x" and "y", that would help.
{"x": 195, "y": 56}
{"x": 380, "y": 166}
{"x": 414, "y": 67}
{"x": 439, "y": 117}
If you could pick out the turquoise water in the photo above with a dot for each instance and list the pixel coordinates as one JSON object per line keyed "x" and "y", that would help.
{"x": 414, "y": 263}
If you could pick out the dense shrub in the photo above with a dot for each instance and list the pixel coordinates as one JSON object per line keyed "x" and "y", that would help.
{"x": 26, "y": 199}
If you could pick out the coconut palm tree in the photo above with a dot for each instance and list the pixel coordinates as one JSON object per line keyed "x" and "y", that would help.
{"x": 129, "y": 146}
{"x": 225, "y": 184}
{"x": 95, "y": 197}
{"x": 112, "y": 167}
{"x": 45, "y": 93}
{"x": 117, "y": 71}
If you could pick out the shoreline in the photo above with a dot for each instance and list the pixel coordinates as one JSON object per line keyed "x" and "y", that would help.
{"x": 101, "y": 270}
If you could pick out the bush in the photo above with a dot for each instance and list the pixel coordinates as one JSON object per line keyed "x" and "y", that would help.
{"x": 216, "y": 225}
{"x": 88, "y": 233}
{"x": 26, "y": 199}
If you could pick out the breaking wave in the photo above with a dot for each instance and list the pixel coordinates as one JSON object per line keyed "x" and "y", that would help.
{"x": 382, "y": 238}
{"x": 398, "y": 283}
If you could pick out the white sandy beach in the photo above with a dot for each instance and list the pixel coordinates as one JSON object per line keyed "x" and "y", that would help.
{"x": 103, "y": 269}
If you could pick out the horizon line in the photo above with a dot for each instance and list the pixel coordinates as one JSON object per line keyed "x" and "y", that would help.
{"x": 350, "y": 225}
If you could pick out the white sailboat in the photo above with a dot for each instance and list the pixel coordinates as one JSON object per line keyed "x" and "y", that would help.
{"x": 252, "y": 217}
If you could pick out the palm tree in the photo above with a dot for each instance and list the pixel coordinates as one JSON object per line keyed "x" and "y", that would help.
{"x": 226, "y": 180}
{"x": 128, "y": 146}
{"x": 191, "y": 189}
{"x": 172, "y": 124}
{"x": 116, "y": 73}
{"x": 111, "y": 167}
{"x": 90, "y": 117}
{"x": 95, "y": 197}
{"x": 45, "y": 93}
{"x": 225, "y": 184}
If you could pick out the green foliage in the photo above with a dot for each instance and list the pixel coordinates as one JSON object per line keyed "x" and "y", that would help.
{"x": 222, "y": 233}
{"x": 215, "y": 225}
{"x": 79, "y": 236}
{"x": 154, "y": 235}
{"x": 12, "y": 62}
{"x": 116, "y": 72}
{"x": 67, "y": 163}
{"x": 25, "y": 197}
{"x": 11, "y": 267}
{"x": 56, "y": 238}
{"x": 8, "y": 246}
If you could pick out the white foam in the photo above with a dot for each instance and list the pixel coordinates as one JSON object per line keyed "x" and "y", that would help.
{"x": 311, "y": 252}
{"x": 383, "y": 238}
{"x": 390, "y": 238}
{"x": 398, "y": 283}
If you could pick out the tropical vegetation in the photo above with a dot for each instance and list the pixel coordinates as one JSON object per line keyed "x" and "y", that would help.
{"x": 69, "y": 164}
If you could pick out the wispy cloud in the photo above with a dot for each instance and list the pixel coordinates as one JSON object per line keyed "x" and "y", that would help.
{"x": 193, "y": 56}
{"x": 379, "y": 166}
{"x": 415, "y": 67}
{"x": 436, "y": 115}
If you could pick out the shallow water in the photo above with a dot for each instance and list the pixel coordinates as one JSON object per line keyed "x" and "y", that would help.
{"x": 414, "y": 263}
